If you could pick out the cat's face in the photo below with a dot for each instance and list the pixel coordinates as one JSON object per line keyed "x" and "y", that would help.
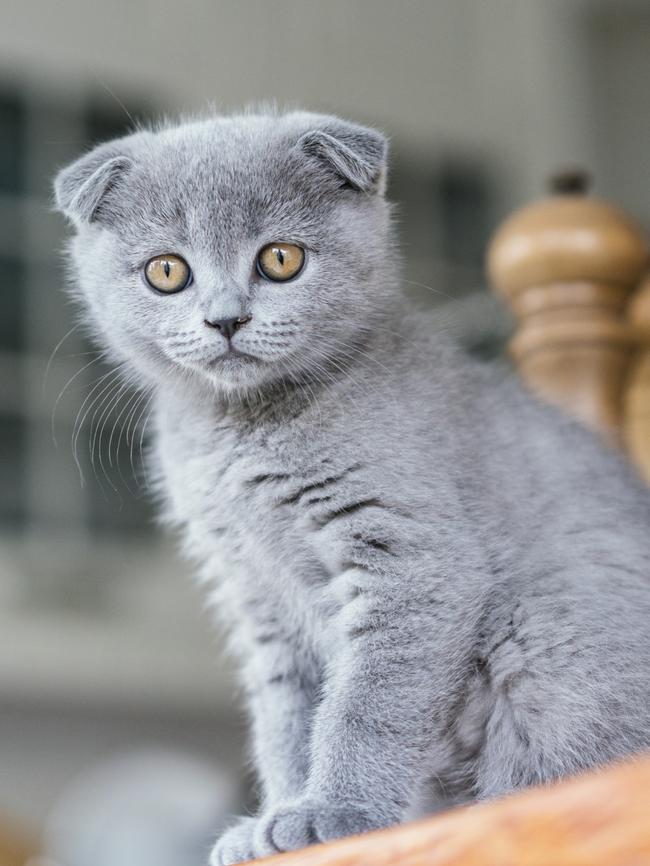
{"x": 236, "y": 250}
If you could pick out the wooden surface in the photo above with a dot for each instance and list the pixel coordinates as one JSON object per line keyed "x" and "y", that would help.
{"x": 599, "y": 819}
{"x": 17, "y": 848}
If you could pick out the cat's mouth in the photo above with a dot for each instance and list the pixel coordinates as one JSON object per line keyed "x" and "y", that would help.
{"x": 232, "y": 356}
{"x": 234, "y": 370}
{"x": 231, "y": 369}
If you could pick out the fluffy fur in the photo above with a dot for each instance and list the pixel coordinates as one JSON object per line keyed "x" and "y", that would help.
{"x": 433, "y": 582}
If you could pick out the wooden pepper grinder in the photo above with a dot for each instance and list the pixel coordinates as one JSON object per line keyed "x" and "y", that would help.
{"x": 637, "y": 392}
{"x": 567, "y": 265}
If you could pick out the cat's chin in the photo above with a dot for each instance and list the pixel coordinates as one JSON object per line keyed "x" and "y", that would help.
{"x": 235, "y": 372}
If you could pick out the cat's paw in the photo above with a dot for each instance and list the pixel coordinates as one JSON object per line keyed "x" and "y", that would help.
{"x": 235, "y": 845}
{"x": 307, "y": 822}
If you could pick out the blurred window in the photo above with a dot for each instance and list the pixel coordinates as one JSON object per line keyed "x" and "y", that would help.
{"x": 12, "y": 150}
{"x": 41, "y": 487}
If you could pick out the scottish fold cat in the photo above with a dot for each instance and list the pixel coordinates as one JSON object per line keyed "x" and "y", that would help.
{"x": 433, "y": 582}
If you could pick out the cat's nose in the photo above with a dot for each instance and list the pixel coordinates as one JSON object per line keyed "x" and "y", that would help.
{"x": 227, "y": 327}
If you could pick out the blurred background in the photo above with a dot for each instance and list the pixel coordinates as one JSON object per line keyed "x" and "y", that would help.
{"x": 120, "y": 734}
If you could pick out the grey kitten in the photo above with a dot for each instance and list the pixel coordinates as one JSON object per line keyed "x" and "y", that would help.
{"x": 433, "y": 581}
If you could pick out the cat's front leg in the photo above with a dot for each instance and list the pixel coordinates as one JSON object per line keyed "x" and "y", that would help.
{"x": 281, "y": 700}
{"x": 280, "y": 687}
{"x": 405, "y": 652}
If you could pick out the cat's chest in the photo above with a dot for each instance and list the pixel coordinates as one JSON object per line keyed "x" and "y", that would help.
{"x": 205, "y": 478}
{"x": 213, "y": 476}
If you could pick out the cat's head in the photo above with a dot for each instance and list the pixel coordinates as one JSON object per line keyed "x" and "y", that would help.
{"x": 235, "y": 250}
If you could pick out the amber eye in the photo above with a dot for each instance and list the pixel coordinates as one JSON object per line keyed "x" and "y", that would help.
{"x": 168, "y": 274}
{"x": 280, "y": 262}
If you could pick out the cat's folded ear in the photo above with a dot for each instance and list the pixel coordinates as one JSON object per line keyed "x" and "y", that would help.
{"x": 81, "y": 188}
{"x": 356, "y": 154}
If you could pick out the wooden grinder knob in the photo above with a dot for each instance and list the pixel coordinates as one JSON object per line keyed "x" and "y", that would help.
{"x": 567, "y": 265}
{"x": 637, "y": 393}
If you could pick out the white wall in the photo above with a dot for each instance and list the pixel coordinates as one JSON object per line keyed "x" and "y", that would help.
{"x": 501, "y": 75}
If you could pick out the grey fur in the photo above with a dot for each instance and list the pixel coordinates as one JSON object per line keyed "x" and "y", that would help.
{"x": 431, "y": 579}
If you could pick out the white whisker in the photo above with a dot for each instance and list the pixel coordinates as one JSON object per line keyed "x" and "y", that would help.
{"x": 79, "y": 421}
{"x": 55, "y": 350}
{"x": 64, "y": 389}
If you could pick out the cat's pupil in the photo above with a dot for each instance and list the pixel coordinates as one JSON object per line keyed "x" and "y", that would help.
{"x": 167, "y": 269}
{"x": 280, "y": 256}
